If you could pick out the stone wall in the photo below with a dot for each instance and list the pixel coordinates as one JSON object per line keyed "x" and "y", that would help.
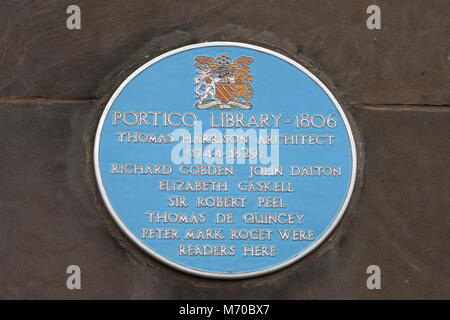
{"x": 393, "y": 83}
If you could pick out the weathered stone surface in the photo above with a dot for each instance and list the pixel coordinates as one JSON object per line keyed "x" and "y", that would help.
{"x": 404, "y": 62}
{"x": 52, "y": 216}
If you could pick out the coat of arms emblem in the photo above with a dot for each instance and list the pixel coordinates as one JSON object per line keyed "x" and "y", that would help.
{"x": 223, "y": 84}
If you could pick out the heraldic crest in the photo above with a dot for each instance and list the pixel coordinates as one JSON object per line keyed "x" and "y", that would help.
{"x": 223, "y": 84}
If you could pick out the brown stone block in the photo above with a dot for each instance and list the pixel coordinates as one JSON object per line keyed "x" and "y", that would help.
{"x": 52, "y": 216}
{"x": 404, "y": 62}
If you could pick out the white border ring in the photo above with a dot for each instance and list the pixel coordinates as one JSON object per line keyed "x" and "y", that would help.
{"x": 217, "y": 275}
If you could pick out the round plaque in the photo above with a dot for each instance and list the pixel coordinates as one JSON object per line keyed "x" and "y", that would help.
{"x": 225, "y": 160}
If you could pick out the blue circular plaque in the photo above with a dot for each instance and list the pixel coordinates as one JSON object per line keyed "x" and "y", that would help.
{"x": 225, "y": 160}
